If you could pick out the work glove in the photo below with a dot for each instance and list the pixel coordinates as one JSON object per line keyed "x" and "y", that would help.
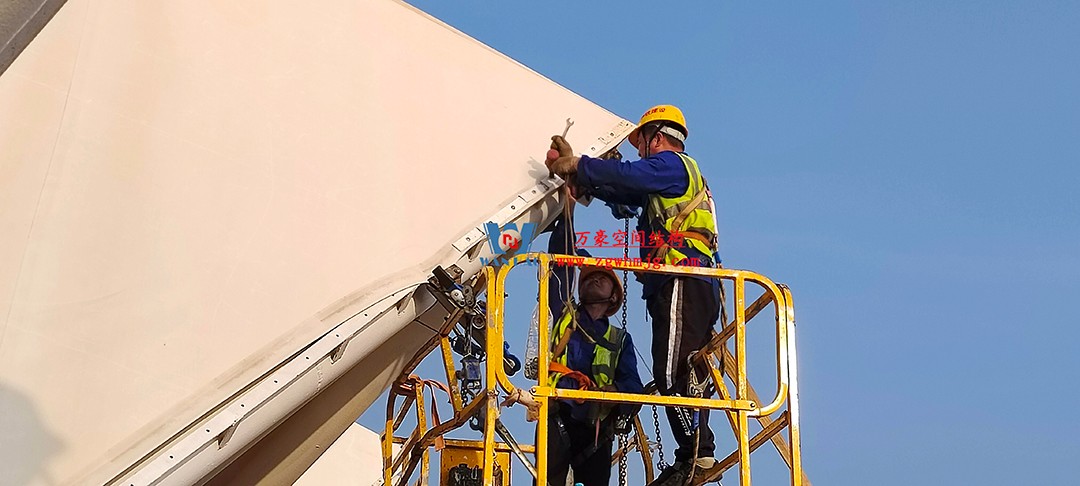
{"x": 532, "y": 407}
{"x": 622, "y": 211}
{"x": 560, "y": 159}
{"x": 561, "y": 146}
{"x": 612, "y": 154}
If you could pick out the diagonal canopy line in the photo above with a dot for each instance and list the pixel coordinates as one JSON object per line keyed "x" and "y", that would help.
{"x": 20, "y": 22}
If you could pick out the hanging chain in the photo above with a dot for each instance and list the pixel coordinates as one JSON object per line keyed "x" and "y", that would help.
{"x": 623, "y": 446}
{"x": 625, "y": 273}
{"x": 655, "y": 416}
{"x": 659, "y": 444}
{"x": 623, "y": 441}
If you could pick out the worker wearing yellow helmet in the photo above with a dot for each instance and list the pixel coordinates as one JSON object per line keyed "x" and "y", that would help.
{"x": 587, "y": 351}
{"x": 677, "y": 227}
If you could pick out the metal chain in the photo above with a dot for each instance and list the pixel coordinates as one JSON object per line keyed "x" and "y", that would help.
{"x": 659, "y": 444}
{"x": 655, "y": 416}
{"x": 623, "y": 442}
{"x": 626, "y": 257}
{"x": 623, "y": 446}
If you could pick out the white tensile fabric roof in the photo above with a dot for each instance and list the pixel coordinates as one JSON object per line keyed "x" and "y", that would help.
{"x": 193, "y": 192}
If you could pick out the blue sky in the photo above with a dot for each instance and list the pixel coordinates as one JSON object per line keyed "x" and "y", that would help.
{"x": 908, "y": 168}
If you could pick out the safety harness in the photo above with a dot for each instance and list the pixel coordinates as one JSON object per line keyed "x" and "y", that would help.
{"x": 689, "y": 216}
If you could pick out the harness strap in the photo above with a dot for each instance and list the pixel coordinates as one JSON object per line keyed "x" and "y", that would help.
{"x": 417, "y": 381}
{"x": 584, "y": 382}
{"x": 661, "y": 251}
{"x": 564, "y": 341}
{"x": 688, "y": 209}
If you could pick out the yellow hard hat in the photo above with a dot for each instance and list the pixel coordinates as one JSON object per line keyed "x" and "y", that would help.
{"x": 661, "y": 113}
{"x": 617, "y": 289}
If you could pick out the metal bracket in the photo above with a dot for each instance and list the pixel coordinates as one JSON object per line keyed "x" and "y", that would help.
{"x": 336, "y": 354}
{"x": 404, "y": 302}
{"x": 227, "y": 434}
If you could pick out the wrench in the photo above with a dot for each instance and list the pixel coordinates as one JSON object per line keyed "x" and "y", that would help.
{"x": 569, "y": 123}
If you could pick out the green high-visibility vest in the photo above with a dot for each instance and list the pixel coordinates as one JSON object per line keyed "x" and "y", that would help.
{"x": 605, "y": 355}
{"x": 662, "y": 211}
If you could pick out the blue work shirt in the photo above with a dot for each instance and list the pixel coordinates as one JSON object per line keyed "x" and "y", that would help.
{"x": 579, "y": 350}
{"x": 631, "y": 184}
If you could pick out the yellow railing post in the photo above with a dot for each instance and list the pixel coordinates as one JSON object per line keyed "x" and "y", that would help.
{"x": 741, "y": 392}
{"x": 421, "y": 425}
{"x": 388, "y": 439}
{"x": 494, "y": 322}
{"x": 794, "y": 434}
{"x": 543, "y": 348}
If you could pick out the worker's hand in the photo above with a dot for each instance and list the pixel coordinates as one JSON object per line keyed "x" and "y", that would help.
{"x": 560, "y": 147}
{"x": 532, "y": 407}
{"x": 560, "y": 158}
{"x": 621, "y": 211}
{"x": 575, "y": 190}
{"x": 612, "y": 154}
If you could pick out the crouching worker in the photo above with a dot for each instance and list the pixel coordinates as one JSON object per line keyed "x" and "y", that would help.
{"x": 587, "y": 352}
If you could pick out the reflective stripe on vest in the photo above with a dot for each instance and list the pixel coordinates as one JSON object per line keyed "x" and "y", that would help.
{"x": 605, "y": 354}
{"x": 700, "y": 220}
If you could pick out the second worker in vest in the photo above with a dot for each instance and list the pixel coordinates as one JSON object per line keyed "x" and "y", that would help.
{"x": 587, "y": 352}
{"x": 668, "y": 184}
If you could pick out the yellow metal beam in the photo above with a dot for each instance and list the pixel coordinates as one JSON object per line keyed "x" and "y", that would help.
{"x": 766, "y": 433}
{"x": 728, "y": 329}
{"x": 438, "y": 431}
{"x": 781, "y": 445}
{"x": 477, "y": 444}
{"x": 451, "y": 374}
{"x": 617, "y": 397}
{"x": 643, "y": 446}
{"x": 542, "y": 374}
{"x": 798, "y": 476}
{"x": 421, "y": 425}
{"x": 493, "y": 365}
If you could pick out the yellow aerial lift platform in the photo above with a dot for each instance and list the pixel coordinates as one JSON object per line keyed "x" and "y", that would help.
{"x": 474, "y": 390}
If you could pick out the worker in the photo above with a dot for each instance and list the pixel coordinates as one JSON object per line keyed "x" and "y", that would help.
{"x": 666, "y": 183}
{"x": 588, "y": 352}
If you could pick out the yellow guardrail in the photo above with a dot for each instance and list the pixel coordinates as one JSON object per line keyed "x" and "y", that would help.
{"x": 739, "y": 407}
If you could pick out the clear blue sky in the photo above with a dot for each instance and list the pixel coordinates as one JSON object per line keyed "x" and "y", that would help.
{"x": 910, "y": 169}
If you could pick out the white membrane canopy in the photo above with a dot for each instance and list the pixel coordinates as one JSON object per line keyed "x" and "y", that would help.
{"x": 194, "y": 194}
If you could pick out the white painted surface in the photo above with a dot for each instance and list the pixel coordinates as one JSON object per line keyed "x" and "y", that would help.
{"x": 354, "y": 459}
{"x": 191, "y": 192}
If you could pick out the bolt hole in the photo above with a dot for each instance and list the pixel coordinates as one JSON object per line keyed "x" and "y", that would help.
{"x": 170, "y": 457}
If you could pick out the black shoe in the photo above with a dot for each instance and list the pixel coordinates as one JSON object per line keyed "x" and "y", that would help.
{"x": 706, "y": 470}
{"x": 677, "y": 474}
